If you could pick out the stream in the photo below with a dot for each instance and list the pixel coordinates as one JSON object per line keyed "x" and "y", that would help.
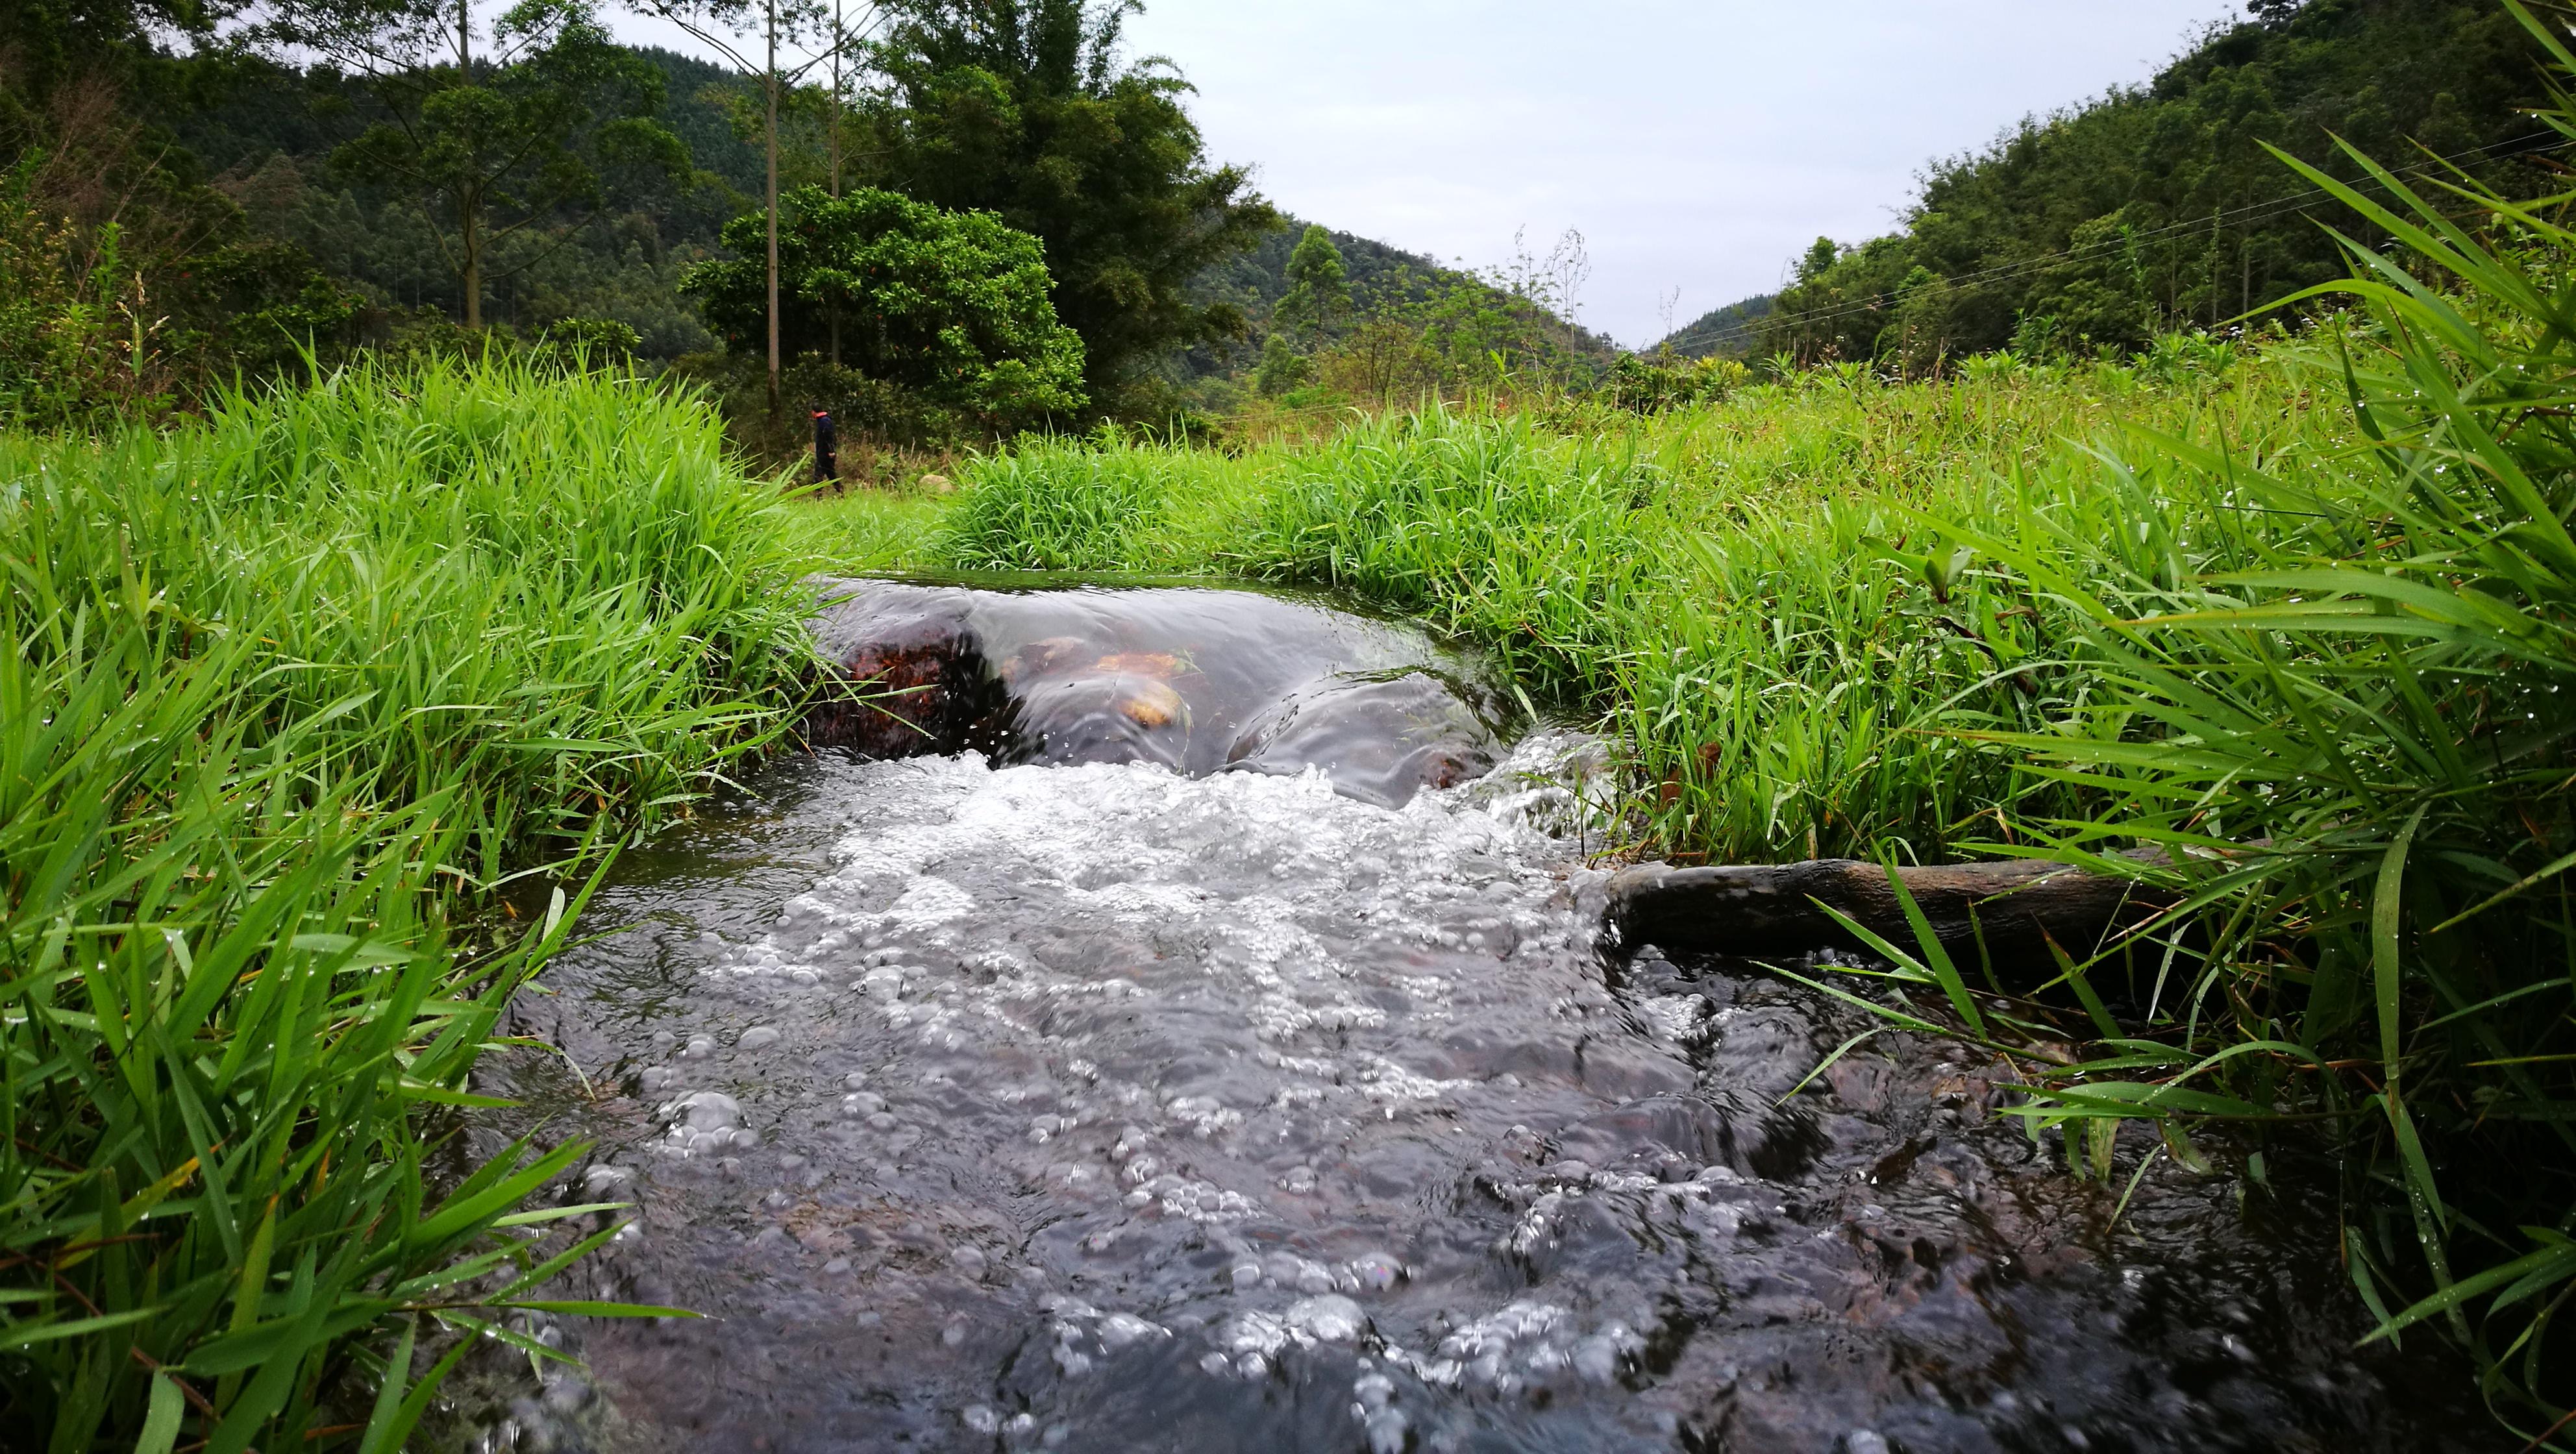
{"x": 1189, "y": 1030}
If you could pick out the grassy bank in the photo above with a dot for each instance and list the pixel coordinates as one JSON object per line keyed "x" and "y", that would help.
{"x": 2303, "y": 614}
{"x": 291, "y": 690}
{"x": 1742, "y": 587}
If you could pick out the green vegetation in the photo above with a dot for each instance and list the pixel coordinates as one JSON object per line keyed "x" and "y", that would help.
{"x": 1030, "y": 110}
{"x": 2160, "y": 207}
{"x": 290, "y": 692}
{"x": 940, "y": 318}
{"x": 1727, "y": 331}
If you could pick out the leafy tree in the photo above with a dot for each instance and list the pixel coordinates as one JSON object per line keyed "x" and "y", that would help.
{"x": 541, "y": 135}
{"x": 1319, "y": 290}
{"x": 951, "y": 306}
{"x": 1282, "y": 367}
{"x": 1025, "y": 108}
{"x": 727, "y": 27}
{"x": 52, "y": 43}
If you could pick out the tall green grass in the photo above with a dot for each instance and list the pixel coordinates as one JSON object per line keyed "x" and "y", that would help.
{"x": 2343, "y": 678}
{"x": 1742, "y": 588}
{"x": 289, "y": 689}
{"x": 1103, "y": 504}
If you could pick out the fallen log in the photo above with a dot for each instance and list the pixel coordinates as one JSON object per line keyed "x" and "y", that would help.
{"x": 1756, "y": 910}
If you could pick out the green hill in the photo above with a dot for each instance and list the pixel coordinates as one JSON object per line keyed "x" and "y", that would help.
{"x": 2159, "y": 207}
{"x": 267, "y": 141}
{"x": 1383, "y": 279}
{"x": 1728, "y": 332}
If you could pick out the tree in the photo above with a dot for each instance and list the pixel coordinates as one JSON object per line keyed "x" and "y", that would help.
{"x": 1025, "y": 108}
{"x": 949, "y": 305}
{"x": 721, "y": 25}
{"x": 2160, "y": 206}
{"x": 539, "y": 134}
{"x": 1319, "y": 289}
{"x": 1282, "y": 367}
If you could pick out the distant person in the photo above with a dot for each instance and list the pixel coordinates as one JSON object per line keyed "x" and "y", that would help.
{"x": 827, "y": 445}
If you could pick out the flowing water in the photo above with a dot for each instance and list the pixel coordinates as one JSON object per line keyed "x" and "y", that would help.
{"x": 994, "y": 1101}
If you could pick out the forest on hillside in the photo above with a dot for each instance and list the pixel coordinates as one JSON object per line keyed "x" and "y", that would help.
{"x": 203, "y": 193}
{"x": 2165, "y": 206}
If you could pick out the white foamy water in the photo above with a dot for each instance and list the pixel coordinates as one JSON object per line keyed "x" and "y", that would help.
{"x": 1099, "y": 1108}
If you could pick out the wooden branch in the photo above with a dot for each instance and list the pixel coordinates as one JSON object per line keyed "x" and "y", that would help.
{"x": 1767, "y": 910}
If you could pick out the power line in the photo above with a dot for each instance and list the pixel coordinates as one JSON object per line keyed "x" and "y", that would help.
{"x": 2022, "y": 267}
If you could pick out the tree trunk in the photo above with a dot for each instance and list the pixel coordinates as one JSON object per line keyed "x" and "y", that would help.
{"x": 469, "y": 199}
{"x": 2015, "y": 908}
{"x": 771, "y": 87}
{"x": 472, "y": 250}
{"x": 832, "y": 138}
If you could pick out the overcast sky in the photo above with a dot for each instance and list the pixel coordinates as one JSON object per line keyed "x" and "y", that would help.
{"x": 1696, "y": 146}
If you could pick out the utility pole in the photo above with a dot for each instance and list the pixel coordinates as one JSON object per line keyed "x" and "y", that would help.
{"x": 469, "y": 203}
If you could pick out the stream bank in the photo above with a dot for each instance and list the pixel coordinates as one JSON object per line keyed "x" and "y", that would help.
{"x": 984, "y": 1099}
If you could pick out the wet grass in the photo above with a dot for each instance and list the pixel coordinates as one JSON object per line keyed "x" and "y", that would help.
{"x": 290, "y": 691}
{"x": 1740, "y": 588}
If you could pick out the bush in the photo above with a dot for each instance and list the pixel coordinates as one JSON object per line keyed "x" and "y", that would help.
{"x": 949, "y": 306}
{"x": 1064, "y": 505}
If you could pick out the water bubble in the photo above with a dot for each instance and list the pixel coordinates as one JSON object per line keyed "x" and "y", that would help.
{"x": 1376, "y": 1272}
{"x": 1330, "y": 1318}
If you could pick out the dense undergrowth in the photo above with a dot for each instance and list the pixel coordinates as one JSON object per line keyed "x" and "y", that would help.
{"x": 290, "y": 691}
{"x": 2302, "y": 614}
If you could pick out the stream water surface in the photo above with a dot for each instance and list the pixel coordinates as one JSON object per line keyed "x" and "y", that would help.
{"x": 1005, "y": 1100}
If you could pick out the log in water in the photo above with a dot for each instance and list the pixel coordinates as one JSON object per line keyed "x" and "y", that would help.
{"x": 985, "y": 1102}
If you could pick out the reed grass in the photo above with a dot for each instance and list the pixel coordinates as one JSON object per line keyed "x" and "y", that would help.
{"x": 1741, "y": 588}
{"x": 291, "y": 690}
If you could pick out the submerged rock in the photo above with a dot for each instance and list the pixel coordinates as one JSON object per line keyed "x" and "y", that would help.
{"x": 1198, "y": 681}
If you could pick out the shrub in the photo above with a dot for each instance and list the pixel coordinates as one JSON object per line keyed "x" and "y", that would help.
{"x": 950, "y": 306}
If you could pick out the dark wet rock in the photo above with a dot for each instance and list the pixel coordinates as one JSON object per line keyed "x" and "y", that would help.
{"x": 1384, "y": 738}
{"x": 1199, "y": 681}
